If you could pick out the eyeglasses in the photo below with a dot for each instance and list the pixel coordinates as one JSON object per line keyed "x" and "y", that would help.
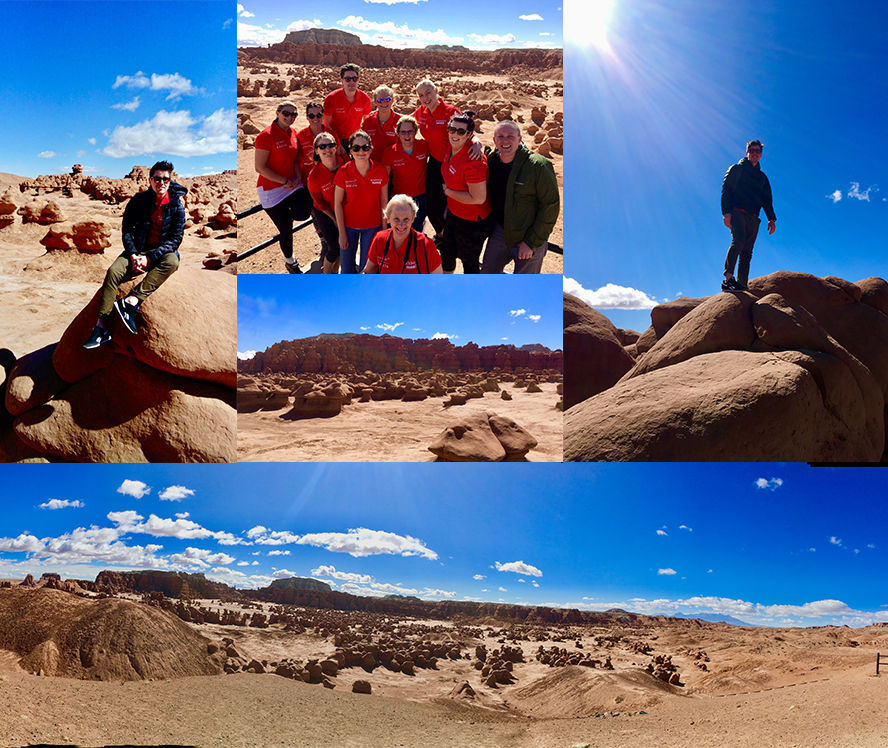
{"x": 350, "y": 78}
{"x": 325, "y": 146}
{"x": 356, "y": 148}
{"x": 161, "y": 179}
{"x": 288, "y": 114}
{"x": 380, "y": 99}
{"x": 753, "y": 150}
{"x": 315, "y": 116}
{"x": 457, "y": 130}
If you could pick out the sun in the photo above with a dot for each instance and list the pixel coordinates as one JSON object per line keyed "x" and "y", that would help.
{"x": 586, "y": 22}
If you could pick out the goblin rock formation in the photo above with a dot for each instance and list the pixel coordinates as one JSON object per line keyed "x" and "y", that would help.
{"x": 796, "y": 368}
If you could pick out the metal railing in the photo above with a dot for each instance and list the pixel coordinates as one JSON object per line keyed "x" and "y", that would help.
{"x": 268, "y": 242}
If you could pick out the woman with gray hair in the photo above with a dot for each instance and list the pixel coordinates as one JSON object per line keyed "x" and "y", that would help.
{"x": 401, "y": 248}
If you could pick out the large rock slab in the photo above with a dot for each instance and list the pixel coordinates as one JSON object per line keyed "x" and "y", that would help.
{"x": 33, "y": 381}
{"x": 470, "y": 440}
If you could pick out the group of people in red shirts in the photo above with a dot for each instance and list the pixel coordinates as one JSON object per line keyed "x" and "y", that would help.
{"x": 342, "y": 168}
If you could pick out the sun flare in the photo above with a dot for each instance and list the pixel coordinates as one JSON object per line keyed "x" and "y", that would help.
{"x": 587, "y": 23}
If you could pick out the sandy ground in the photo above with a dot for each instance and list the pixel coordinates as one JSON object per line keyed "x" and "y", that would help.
{"x": 306, "y": 246}
{"x": 46, "y": 290}
{"x": 804, "y": 688}
{"x": 392, "y": 430}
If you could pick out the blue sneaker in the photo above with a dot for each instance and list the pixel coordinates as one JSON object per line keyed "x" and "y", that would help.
{"x": 100, "y": 336}
{"x": 127, "y": 313}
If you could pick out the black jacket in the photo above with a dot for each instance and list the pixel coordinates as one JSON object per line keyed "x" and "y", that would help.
{"x": 746, "y": 187}
{"x": 137, "y": 223}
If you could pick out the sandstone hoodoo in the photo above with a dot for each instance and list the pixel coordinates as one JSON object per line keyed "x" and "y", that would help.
{"x": 484, "y": 437}
{"x": 795, "y": 368}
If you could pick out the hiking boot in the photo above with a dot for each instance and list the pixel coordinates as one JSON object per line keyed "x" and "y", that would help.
{"x": 100, "y": 336}
{"x": 293, "y": 268}
{"x": 127, "y": 313}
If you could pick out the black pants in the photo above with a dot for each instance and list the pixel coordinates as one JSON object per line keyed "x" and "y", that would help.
{"x": 463, "y": 239}
{"x": 436, "y": 200}
{"x": 328, "y": 231}
{"x": 744, "y": 230}
{"x": 296, "y": 207}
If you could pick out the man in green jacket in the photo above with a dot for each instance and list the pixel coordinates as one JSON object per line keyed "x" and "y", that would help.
{"x": 526, "y": 204}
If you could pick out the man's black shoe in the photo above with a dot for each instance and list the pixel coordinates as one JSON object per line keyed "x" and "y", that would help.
{"x": 100, "y": 336}
{"x": 729, "y": 284}
{"x": 127, "y": 313}
{"x": 293, "y": 268}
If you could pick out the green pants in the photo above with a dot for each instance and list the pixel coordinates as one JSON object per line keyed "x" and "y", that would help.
{"x": 121, "y": 271}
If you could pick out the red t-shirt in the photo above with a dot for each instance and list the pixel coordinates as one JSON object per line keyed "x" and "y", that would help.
{"x": 408, "y": 170}
{"x": 361, "y": 202}
{"x": 321, "y": 186}
{"x": 458, "y": 171}
{"x": 433, "y": 127}
{"x": 420, "y": 246}
{"x": 347, "y": 117}
{"x": 382, "y": 135}
{"x": 306, "y": 149}
{"x": 156, "y": 231}
{"x": 283, "y": 153}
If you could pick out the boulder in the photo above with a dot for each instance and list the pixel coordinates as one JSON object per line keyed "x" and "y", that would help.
{"x": 361, "y": 686}
{"x": 514, "y": 439}
{"x": 470, "y": 440}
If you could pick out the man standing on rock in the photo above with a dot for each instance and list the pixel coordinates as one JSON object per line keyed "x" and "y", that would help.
{"x": 346, "y": 107}
{"x": 746, "y": 190}
{"x": 526, "y": 204}
{"x": 153, "y": 225}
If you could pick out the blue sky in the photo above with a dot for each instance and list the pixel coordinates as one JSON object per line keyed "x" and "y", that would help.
{"x": 485, "y": 310}
{"x": 110, "y": 85}
{"x": 662, "y": 99}
{"x": 767, "y": 544}
{"x": 407, "y": 23}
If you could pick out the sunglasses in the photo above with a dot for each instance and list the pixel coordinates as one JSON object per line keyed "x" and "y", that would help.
{"x": 356, "y": 148}
{"x": 754, "y": 150}
{"x": 161, "y": 179}
{"x": 457, "y": 130}
{"x": 325, "y": 146}
{"x": 288, "y": 114}
{"x": 406, "y": 132}
{"x": 380, "y": 99}
{"x": 315, "y": 116}
{"x": 350, "y": 78}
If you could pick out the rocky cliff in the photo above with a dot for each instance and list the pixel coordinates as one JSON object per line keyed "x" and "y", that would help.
{"x": 322, "y": 36}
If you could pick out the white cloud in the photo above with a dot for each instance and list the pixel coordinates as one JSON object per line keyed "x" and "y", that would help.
{"x": 479, "y": 576}
{"x": 91, "y": 141}
{"x": 517, "y": 312}
{"x": 666, "y": 572}
{"x": 303, "y": 25}
{"x": 330, "y": 571}
{"x": 129, "y": 106}
{"x": 200, "y": 557}
{"x": 389, "y": 328}
{"x": 243, "y": 563}
{"x": 444, "y": 336}
{"x": 531, "y": 17}
{"x": 661, "y": 532}
{"x": 534, "y": 583}
{"x": 175, "y": 134}
{"x": 279, "y": 553}
{"x": 519, "y": 567}
{"x": 772, "y": 484}
{"x": 394, "y": 2}
{"x": 492, "y": 38}
{"x": 134, "y": 488}
{"x": 24, "y": 543}
{"x": 534, "y": 317}
{"x": 857, "y": 194}
{"x": 363, "y": 542}
{"x": 546, "y": 33}
{"x": 398, "y": 34}
{"x": 245, "y": 355}
{"x": 835, "y": 196}
{"x": 609, "y": 296}
{"x": 836, "y": 541}
{"x": 685, "y": 527}
{"x": 263, "y": 536}
{"x": 176, "y": 84}
{"x": 256, "y": 36}
{"x": 61, "y": 504}
{"x": 227, "y": 24}
{"x": 365, "y": 328}
{"x": 183, "y": 529}
{"x": 175, "y": 493}
{"x": 502, "y": 589}
{"x": 48, "y": 154}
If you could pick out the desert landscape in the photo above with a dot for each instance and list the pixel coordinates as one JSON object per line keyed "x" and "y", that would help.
{"x": 795, "y": 368}
{"x": 58, "y": 235}
{"x": 358, "y": 398}
{"x": 524, "y": 85}
{"x": 151, "y": 658}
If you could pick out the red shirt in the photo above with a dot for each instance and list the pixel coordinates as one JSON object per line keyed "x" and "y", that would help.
{"x": 433, "y": 127}
{"x": 458, "y": 172}
{"x": 419, "y": 245}
{"x": 321, "y": 186}
{"x": 362, "y": 207}
{"x": 283, "y": 153}
{"x": 156, "y": 230}
{"x": 408, "y": 170}
{"x": 347, "y": 117}
{"x": 382, "y": 135}
{"x": 306, "y": 148}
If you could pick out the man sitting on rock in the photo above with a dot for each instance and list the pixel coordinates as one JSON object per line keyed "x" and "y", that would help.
{"x": 153, "y": 224}
{"x": 526, "y": 203}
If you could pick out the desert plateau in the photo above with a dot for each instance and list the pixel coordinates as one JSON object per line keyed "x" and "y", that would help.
{"x": 524, "y": 85}
{"x": 58, "y": 235}
{"x": 150, "y": 658}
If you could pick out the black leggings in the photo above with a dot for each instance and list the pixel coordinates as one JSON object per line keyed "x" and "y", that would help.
{"x": 328, "y": 231}
{"x": 295, "y": 207}
{"x": 436, "y": 200}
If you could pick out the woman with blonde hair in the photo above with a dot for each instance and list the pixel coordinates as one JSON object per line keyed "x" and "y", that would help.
{"x": 402, "y": 249}
{"x": 407, "y": 162}
{"x": 323, "y": 191}
{"x": 381, "y": 124}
